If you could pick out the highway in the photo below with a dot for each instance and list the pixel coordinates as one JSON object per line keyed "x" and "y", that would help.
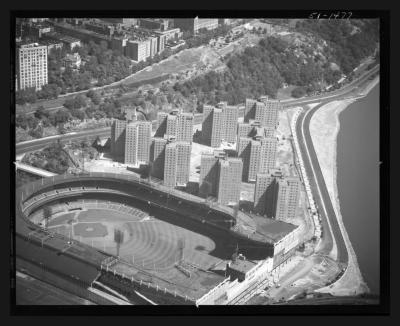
{"x": 318, "y": 187}
{"x": 345, "y": 92}
{"x": 320, "y": 192}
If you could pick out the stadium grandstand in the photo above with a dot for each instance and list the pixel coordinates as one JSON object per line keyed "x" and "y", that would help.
{"x": 172, "y": 241}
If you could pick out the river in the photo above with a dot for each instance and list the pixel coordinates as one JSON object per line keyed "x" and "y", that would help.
{"x": 358, "y": 182}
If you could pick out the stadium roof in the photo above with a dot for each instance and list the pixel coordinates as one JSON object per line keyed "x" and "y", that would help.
{"x": 173, "y": 279}
{"x": 272, "y": 229}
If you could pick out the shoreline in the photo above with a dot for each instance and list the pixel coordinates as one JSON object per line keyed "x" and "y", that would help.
{"x": 327, "y": 119}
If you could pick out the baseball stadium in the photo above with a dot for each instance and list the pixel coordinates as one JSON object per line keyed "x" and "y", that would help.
{"x": 145, "y": 242}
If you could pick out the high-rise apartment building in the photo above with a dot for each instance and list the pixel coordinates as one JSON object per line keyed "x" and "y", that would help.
{"x": 258, "y": 155}
{"x": 230, "y": 179}
{"x": 118, "y": 132}
{"x": 32, "y": 66}
{"x": 172, "y": 124}
{"x": 276, "y": 196}
{"x": 263, "y": 187}
{"x": 176, "y": 124}
{"x": 268, "y": 154}
{"x": 293, "y": 195}
{"x": 249, "y": 150}
{"x": 185, "y": 127}
{"x": 220, "y": 176}
{"x": 157, "y": 156}
{"x": 264, "y": 111}
{"x": 137, "y": 143}
{"x": 229, "y": 122}
{"x": 209, "y": 173}
{"x": 212, "y": 126}
{"x": 161, "y": 129}
{"x": 219, "y": 124}
{"x": 177, "y": 163}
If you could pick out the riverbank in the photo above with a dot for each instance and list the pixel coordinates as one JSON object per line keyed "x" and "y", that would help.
{"x": 324, "y": 128}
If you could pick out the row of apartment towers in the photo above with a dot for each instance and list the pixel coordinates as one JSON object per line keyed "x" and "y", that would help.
{"x": 168, "y": 153}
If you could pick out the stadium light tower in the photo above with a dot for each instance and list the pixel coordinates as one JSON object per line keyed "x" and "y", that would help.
{"x": 181, "y": 247}
{"x": 118, "y": 239}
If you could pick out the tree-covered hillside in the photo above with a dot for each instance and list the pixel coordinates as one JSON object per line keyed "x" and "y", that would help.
{"x": 264, "y": 68}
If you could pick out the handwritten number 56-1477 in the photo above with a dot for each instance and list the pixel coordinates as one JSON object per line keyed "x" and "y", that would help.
{"x": 334, "y": 15}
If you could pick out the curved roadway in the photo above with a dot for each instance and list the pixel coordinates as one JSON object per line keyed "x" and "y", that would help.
{"x": 318, "y": 187}
{"x": 329, "y": 220}
{"x": 346, "y": 91}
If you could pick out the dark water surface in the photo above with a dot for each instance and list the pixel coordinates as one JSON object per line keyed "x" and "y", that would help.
{"x": 358, "y": 182}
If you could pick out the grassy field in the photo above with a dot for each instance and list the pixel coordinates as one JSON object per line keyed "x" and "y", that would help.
{"x": 148, "y": 242}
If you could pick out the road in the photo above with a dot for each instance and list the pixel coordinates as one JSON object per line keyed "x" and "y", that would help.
{"x": 347, "y": 91}
{"x": 330, "y": 224}
{"x": 318, "y": 187}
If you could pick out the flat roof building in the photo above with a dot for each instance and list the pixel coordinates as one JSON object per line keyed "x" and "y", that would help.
{"x": 220, "y": 176}
{"x": 175, "y": 123}
{"x": 137, "y": 143}
{"x": 258, "y": 154}
{"x": 230, "y": 181}
{"x": 249, "y": 150}
{"x": 32, "y": 69}
{"x": 229, "y": 122}
{"x": 177, "y": 164}
{"x": 195, "y": 24}
{"x": 161, "y": 24}
{"x": 212, "y": 126}
{"x": 158, "y": 156}
{"x": 80, "y": 33}
{"x": 219, "y": 124}
{"x": 263, "y": 110}
{"x": 52, "y": 45}
{"x": 268, "y": 154}
{"x": 126, "y": 22}
{"x": 276, "y": 196}
{"x": 170, "y": 34}
{"x": 138, "y": 50}
{"x": 209, "y": 174}
{"x": 118, "y": 132}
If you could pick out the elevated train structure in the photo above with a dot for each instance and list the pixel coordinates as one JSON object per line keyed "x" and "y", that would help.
{"x": 190, "y": 280}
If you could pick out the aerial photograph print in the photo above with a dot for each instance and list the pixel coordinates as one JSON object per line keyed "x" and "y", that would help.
{"x": 199, "y": 160}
